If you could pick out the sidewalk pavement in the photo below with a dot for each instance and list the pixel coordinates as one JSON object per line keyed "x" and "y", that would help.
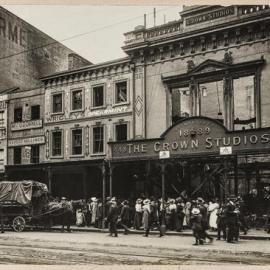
{"x": 252, "y": 234}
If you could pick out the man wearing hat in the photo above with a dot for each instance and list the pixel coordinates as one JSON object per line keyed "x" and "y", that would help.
{"x": 197, "y": 228}
{"x": 231, "y": 221}
{"x": 67, "y": 215}
{"x": 153, "y": 219}
{"x": 138, "y": 214}
{"x": 113, "y": 217}
{"x": 124, "y": 216}
{"x": 203, "y": 211}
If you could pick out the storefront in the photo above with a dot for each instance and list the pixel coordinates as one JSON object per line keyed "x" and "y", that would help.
{"x": 200, "y": 157}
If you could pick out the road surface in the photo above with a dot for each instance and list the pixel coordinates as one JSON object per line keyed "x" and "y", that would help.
{"x": 79, "y": 248}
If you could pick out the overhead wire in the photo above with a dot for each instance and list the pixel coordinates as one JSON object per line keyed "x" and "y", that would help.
{"x": 80, "y": 35}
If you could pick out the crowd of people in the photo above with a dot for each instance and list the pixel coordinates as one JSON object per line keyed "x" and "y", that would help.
{"x": 175, "y": 214}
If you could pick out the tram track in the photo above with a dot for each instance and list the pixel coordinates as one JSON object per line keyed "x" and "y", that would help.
{"x": 29, "y": 254}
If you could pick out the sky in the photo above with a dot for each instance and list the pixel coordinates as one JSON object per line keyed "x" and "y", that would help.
{"x": 105, "y": 25}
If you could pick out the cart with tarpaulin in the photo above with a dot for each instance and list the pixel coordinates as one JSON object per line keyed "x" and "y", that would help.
{"x": 25, "y": 203}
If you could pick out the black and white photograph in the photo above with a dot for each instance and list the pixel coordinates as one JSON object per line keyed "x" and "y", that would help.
{"x": 134, "y": 135}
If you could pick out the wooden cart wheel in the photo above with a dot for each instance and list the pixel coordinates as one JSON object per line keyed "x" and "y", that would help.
{"x": 18, "y": 224}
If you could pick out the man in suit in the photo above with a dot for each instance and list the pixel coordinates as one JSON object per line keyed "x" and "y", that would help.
{"x": 112, "y": 218}
{"x": 2, "y": 219}
{"x": 68, "y": 214}
{"x": 153, "y": 219}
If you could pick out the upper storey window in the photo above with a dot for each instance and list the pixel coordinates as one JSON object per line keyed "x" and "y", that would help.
{"x": 181, "y": 103}
{"x": 121, "y": 92}
{"x": 18, "y": 114}
{"x": 211, "y": 100}
{"x": 244, "y": 103}
{"x": 77, "y": 100}
{"x": 98, "y": 96}
{"x": 57, "y": 103}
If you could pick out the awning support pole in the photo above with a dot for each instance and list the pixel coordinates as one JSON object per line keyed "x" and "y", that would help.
{"x": 103, "y": 169}
{"x": 163, "y": 226}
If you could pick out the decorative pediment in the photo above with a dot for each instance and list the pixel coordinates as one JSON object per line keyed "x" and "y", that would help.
{"x": 208, "y": 66}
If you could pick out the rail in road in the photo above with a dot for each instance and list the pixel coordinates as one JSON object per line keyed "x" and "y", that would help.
{"x": 14, "y": 251}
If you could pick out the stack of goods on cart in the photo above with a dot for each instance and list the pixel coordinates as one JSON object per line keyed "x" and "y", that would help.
{"x": 54, "y": 205}
{"x": 21, "y": 192}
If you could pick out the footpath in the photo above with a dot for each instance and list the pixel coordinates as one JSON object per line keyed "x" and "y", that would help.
{"x": 252, "y": 234}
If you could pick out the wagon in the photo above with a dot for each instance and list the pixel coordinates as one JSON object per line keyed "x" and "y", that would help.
{"x": 25, "y": 203}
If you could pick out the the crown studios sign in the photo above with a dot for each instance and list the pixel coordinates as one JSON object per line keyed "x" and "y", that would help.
{"x": 193, "y": 136}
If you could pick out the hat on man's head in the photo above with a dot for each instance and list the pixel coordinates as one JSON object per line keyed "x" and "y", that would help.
{"x": 139, "y": 200}
{"x": 195, "y": 211}
{"x": 200, "y": 200}
{"x": 171, "y": 201}
{"x": 125, "y": 202}
{"x": 63, "y": 199}
{"x": 146, "y": 201}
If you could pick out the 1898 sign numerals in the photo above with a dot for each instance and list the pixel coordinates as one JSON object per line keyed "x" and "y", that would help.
{"x": 194, "y": 131}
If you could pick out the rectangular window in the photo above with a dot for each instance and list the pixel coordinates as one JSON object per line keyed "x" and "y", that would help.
{"x": 17, "y": 155}
{"x": 35, "y": 112}
{"x": 57, "y": 143}
{"x": 76, "y": 100}
{"x": 181, "y": 103}
{"x": 77, "y": 142}
{"x": 244, "y": 105}
{"x": 98, "y": 96}
{"x": 121, "y": 132}
{"x": 57, "y": 103}
{"x": 98, "y": 139}
{"x": 211, "y": 100}
{"x": 18, "y": 114}
{"x": 121, "y": 92}
{"x": 35, "y": 154}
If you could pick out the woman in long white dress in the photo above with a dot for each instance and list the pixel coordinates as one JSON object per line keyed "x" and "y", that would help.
{"x": 146, "y": 212}
{"x": 213, "y": 209}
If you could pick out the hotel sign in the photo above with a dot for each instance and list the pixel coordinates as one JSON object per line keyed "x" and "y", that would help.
{"x": 26, "y": 125}
{"x": 26, "y": 141}
{"x": 195, "y": 136}
{"x": 210, "y": 16}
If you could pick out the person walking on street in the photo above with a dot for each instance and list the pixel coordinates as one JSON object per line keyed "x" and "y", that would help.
{"x": 138, "y": 214}
{"x": 67, "y": 215}
{"x": 124, "y": 216}
{"x": 153, "y": 219}
{"x": 196, "y": 225}
{"x": 203, "y": 211}
{"x": 112, "y": 218}
{"x": 2, "y": 219}
{"x": 231, "y": 220}
{"x": 221, "y": 223}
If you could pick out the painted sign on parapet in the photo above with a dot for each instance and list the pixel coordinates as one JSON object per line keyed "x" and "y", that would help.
{"x": 26, "y": 141}
{"x": 193, "y": 136}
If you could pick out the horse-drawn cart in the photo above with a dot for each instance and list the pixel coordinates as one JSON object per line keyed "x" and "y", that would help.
{"x": 25, "y": 203}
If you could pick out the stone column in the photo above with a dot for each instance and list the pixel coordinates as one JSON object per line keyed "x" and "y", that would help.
{"x": 228, "y": 101}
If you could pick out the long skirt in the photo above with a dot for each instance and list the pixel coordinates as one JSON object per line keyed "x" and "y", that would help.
{"x": 213, "y": 219}
{"x": 137, "y": 220}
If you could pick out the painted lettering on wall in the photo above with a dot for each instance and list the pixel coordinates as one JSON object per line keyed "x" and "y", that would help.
{"x": 210, "y": 16}
{"x": 197, "y": 135}
{"x": 81, "y": 115}
{"x": 27, "y": 141}
{"x": 13, "y": 32}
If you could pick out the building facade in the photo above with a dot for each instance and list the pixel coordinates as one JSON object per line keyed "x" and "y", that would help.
{"x": 207, "y": 71}
{"x": 27, "y": 53}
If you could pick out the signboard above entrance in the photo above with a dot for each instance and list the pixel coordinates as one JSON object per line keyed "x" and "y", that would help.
{"x": 195, "y": 136}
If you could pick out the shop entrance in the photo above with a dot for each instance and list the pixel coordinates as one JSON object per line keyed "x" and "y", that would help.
{"x": 203, "y": 177}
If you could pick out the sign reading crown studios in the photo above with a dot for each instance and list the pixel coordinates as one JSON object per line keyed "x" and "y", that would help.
{"x": 195, "y": 135}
